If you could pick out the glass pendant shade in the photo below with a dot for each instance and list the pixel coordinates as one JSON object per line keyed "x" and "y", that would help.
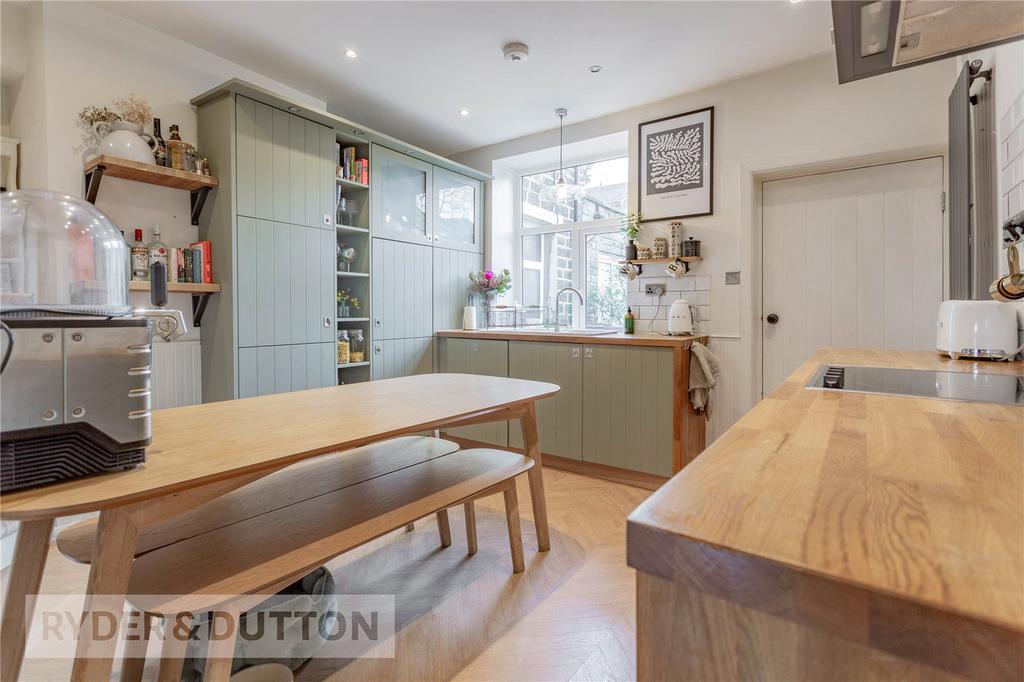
{"x": 562, "y": 191}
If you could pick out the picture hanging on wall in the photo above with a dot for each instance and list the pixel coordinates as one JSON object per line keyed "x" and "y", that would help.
{"x": 677, "y": 165}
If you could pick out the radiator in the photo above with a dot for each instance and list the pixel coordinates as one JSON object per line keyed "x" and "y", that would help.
{"x": 176, "y": 374}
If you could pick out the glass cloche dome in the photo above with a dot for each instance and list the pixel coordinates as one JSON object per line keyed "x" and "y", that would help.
{"x": 60, "y": 254}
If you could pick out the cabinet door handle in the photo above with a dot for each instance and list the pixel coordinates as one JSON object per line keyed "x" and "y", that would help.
{"x": 327, "y": 322}
{"x": 575, "y": 353}
{"x": 588, "y": 353}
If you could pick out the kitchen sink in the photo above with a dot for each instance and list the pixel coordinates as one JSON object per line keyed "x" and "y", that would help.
{"x": 560, "y": 332}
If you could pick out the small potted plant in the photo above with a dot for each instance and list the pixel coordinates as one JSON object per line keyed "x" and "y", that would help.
{"x": 347, "y": 303}
{"x": 631, "y": 228}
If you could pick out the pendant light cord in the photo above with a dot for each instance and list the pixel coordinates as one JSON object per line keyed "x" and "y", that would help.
{"x": 561, "y": 167}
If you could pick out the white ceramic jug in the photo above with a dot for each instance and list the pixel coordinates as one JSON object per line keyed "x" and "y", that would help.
{"x": 125, "y": 141}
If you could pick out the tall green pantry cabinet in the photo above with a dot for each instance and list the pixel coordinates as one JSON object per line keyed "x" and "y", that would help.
{"x": 271, "y": 223}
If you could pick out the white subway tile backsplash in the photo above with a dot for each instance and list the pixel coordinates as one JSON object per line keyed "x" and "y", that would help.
{"x": 689, "y": 283}
{"x": 703, "y": 282}
{"x": 675, "y": 284}
{"x": 705, "y": 313}
{"x": 636, "y": 298}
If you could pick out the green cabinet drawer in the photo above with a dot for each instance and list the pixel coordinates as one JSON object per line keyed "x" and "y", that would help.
{"x": 472, "y": 356}
{"x": 627, "y": 407}
{"x": 560, "y": 417}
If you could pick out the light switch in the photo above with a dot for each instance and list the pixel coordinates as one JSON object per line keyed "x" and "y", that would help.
{"x": 732, "y": 277}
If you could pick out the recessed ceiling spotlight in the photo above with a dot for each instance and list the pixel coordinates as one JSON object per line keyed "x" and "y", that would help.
{"x": 596, "y": 68}
{"x": 464, "y": 112}
{"x": 351, "y": 54}
{"x": 294, "y": 110}
{"x": 795, "y": 2}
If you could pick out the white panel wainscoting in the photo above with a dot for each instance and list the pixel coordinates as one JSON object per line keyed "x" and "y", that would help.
{"x": 176, "y": 378}
{"x": 729, "y": 399}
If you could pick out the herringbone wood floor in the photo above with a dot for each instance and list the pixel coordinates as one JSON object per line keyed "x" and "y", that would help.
{"x": 570, "y": 616}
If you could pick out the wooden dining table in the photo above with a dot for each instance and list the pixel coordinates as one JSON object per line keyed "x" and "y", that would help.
{"x": 201, "y": 452}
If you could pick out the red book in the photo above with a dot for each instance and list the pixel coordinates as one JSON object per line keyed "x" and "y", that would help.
{"x": 207, "y": 250}
{"x": 365, "y": 174}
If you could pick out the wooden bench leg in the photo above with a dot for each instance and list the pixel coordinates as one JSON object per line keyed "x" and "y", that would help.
{"x": 134, "y": 661}
{"x": 515, "y": 535}
{"x": 26, "y": 573}
{"x": 444, "y": 528}
{"x": 531, "y": 448}
{"x": 470, "y": 526}
{"x": 221, "y": 652}
{"x": 172, "y": 653}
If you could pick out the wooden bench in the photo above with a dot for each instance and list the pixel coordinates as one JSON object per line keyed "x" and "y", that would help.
{"x": 263, "y": 536}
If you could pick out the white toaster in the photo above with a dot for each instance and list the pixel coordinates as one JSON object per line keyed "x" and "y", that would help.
{"x": 977, "y": 329}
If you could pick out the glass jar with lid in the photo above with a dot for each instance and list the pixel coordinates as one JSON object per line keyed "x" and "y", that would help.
{"x": 344, "y": 348}
{"x": 357, "y": 346}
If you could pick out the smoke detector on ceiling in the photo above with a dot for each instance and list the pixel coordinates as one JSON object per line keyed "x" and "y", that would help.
{"x": 516, "y": 52}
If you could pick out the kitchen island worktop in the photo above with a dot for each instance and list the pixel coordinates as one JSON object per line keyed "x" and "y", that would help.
{"x": 842, "y": 536}
{"x": 615, "y": 339}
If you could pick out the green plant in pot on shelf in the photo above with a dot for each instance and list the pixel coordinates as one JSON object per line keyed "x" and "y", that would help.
{"x": 631, "y": 226}
{"x": 348, "y": 304}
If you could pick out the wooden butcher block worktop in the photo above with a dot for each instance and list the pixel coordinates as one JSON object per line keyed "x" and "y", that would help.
{"x": 616, "y": 339}
{"x": 894, "y": 522}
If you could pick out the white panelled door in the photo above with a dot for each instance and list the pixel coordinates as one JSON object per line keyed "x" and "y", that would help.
{"x": 850, "y": 258}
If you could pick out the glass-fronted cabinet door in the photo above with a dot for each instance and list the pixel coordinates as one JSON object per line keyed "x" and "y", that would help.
{"x": 402, "y": 198}
{"x": 458, "y": 211}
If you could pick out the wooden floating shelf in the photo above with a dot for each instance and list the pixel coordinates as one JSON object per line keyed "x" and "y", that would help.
{"x": 353, "y": 229}
{"x": 178, "y": 287}
{"x": 353, "y": 364}
{"x": 650, "y": 261}
{"x": 351, "y": 183}
{"x": 353, "y": 319}
{"x": 352, "y": 274}
{"x": 197, "y": 185}
{"x": 146, "y": 172}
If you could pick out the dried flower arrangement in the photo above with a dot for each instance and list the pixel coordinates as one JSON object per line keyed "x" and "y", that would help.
{"x": 90, "y": 116}
{"x": 489, "y": 283}
{"x": 134, "y": 110}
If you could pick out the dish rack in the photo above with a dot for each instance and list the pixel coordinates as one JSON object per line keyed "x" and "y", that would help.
{"x": 512, "y": 316}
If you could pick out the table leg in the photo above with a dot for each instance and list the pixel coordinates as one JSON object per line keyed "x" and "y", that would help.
{"x": 531, "y": 448}
{"x": 22, "y": 587}
{"x": 116, "y": 536}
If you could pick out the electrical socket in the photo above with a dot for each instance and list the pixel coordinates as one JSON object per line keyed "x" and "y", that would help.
{"x": 655, "y": 289}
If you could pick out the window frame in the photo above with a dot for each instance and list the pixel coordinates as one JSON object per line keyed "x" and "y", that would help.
{"x": 579, "y": 231}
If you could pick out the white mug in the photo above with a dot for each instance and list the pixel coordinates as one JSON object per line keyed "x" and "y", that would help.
{"x": 677, "y": 268}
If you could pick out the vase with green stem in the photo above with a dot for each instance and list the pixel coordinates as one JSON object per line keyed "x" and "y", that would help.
{"x": 631, "y": 224}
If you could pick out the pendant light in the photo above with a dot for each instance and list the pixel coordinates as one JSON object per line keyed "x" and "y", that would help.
{"x": 562, "y": 191}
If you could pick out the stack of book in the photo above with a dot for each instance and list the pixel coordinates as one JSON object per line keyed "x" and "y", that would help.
{"x": 351, "y": 168}
{"x": 192, "y": 265}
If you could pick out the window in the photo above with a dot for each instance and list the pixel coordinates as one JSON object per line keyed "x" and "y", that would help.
{"x": 574, "y": 243}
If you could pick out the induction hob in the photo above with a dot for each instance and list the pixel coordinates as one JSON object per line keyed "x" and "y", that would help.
{"x": 1005, "y": 389}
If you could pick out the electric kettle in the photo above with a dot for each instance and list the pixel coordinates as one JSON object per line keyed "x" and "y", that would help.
{"x": 681, "y": 316}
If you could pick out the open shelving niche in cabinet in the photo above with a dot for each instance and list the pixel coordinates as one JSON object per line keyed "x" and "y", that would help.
{"x": 352, "y": 228}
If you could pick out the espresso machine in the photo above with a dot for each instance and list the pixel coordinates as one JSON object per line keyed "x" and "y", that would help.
{"x": 76, "y": 357}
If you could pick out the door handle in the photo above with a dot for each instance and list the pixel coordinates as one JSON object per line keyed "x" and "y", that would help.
{"x": 772, "y": 318}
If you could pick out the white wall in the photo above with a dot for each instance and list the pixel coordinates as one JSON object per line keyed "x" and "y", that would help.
{"x": 792, "y": 116}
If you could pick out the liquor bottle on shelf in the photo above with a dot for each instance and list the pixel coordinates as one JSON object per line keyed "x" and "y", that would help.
{"x": 156, "y": 250}
{"x": 159, "y": 149}
{"x": 140, "y": 258}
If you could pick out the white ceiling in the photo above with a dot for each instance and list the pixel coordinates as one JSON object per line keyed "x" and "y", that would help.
{"x": 419, "y": 63}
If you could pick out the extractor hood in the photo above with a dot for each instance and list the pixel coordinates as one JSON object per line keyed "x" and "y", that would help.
{"x": 875, "y": 37}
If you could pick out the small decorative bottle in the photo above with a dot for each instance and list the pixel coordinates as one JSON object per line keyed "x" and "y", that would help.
{"x": 357, "y": 346}
{"x": 630, "y": 321}
{"x": 344, "y": 348}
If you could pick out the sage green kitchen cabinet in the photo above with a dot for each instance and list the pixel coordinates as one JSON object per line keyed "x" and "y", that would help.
{"x": 402, "y": 357}
{"x": 285, "y": 284}
{"x": 265, "y": 370}
{"x": 560, "y": 417}
{"x": 401, "y": 275}
{"x": 451, "y": 285}
{"x": 472, "y": 356}
{"x": 285, "y": 166}
{"x": 458, "y": 211}
{"x": 402, "y": 206}
{"x": 627, "y": 407}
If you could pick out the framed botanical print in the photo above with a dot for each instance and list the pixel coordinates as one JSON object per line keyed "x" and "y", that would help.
{"x": 676, "y": 164}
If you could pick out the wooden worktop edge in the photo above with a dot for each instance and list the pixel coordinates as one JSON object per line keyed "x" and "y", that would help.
{"x": 930, "y": 633}
{"x": 608, "y": 340}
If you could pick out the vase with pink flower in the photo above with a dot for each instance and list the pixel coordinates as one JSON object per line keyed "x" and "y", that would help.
{"x": 488, "y": 284}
